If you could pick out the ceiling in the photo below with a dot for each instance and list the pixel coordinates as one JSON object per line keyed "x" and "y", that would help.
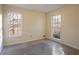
{"x": 40, "y": 7}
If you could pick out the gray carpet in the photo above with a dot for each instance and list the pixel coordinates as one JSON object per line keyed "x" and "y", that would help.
{"x": 39, "y": 47}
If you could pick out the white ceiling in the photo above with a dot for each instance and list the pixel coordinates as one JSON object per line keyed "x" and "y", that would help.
{"x": 40, "y": 7}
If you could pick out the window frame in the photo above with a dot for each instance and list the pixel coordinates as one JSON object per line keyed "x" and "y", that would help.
{"x": 19, "y": 24}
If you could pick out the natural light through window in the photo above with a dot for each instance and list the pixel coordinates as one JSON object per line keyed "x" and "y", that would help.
{"x": 0, "y": 28}
{"x": 15, "y": 23}
{"x": 57, "y": 51}
{"x": 0, "y": 32}
{"x": 56, "y": 26}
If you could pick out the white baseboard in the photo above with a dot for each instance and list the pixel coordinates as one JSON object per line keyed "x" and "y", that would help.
{"x": 67, "y": 44}
{"x": 21, "y": 42}
{"x": 61, "y": 42}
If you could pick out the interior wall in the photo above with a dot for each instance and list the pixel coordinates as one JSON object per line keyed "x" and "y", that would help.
{"x": 33, "y": 26}
{"x": 36, "y": 24}
{"x": 70, "y": 21}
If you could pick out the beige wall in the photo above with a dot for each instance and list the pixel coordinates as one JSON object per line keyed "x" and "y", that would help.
{"x": 70, "y": 22}
{"x": 36, "y": 24}
{"x": 33, "y": 26}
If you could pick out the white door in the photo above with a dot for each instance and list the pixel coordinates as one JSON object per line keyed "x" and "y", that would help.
{"x": 1, "y": 32}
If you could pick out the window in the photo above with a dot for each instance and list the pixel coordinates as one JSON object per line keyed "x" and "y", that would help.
{"x": 1, "y": 36}
{"x": 14, "y": 23}
{"x": 56, "y": 20}
{"x": 56, "y": 26}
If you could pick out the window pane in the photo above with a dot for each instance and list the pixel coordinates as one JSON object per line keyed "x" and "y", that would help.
{"x": 15, "y": 24}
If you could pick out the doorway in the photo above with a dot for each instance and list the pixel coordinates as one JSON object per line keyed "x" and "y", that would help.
{"x": 56, "y": 27}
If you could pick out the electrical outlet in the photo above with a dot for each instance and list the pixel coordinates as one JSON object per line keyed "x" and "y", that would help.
{"x": 44, "y": 35}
